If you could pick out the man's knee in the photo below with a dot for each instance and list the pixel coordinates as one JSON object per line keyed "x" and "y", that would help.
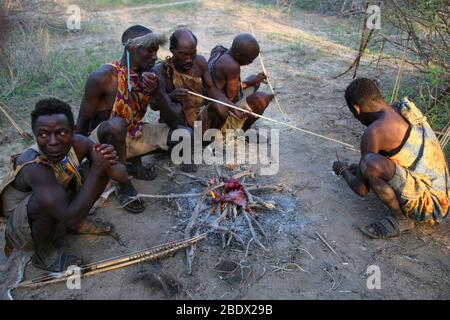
{"x": 116, "y": 128}
{"x": 258, "y": 101}
{"x": 218, "y": 112}
{"x": 36, "y": 213}
{"x": 376, "y": 166}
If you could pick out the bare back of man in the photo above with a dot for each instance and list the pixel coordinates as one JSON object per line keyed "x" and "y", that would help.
{"x": 225, "y": 68}
{"x": 393, "y": 159}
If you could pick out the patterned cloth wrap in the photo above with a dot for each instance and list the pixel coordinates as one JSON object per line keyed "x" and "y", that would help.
{"x": 193, "y": 105}
{"x": 421, "y": 180}
{"x": 131, "y": 106}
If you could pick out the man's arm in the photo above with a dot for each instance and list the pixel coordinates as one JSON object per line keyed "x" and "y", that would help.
{"x": 211, "y": 90}
{"x": 52, "y": 197}
{"x": 370, "y": 143}
{"x": 94, "y": 92}
{"x": 231, "y": 73}
{"x": 84, "y": 148}
{"x": 170, "y": 111}
{"x": 255, "y": 81}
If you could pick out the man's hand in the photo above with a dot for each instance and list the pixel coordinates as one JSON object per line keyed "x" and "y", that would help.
{"x": 339, "y": 167}
{"x": 260, "y": 78}
{"x": 179, "y": 95}
{"x": 103, "y": 157}
{"x": 151, "y": 82}
{"x": 353, "y": 168}
{"x": 254, "y": 80}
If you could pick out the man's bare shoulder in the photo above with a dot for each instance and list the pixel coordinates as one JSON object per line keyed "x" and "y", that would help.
{"x": 374, "y": 136}
{"x": 201, "y": 61}
{"x": 27, "y": 156}
{"x": 158, "y": 68}
{"x": 375, "y": 130}
{"x": 228, "y": 65}
{"x": 103, "y": 76}
{"x": 37, "y": 172}
{"x": 82, "y": 146}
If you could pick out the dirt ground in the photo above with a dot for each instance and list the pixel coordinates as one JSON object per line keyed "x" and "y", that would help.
{"x": 414, "y": 266}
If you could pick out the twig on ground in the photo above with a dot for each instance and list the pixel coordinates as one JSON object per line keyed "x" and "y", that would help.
{"x": 332, "y": 278}
{"x": 331, "y": 248}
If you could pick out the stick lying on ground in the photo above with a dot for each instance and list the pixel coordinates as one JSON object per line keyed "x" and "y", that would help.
{"x": 349, "y": 146}
{"x": 331, "y": 248}
{"x": 24, "y": 134}
{"x": 154, "y": 253}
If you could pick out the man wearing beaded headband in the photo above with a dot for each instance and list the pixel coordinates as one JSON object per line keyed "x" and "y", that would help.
{"x": 115, "y": 101}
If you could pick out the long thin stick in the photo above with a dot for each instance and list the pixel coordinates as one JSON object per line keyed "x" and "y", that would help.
{"x": 16, "y": 114}
{"x": 193, "y": 195}
{"x": 349, "y": 146}
{"x": 399, "y": 76}
{"x": 268, "y": 81}
{"x": 331, "y": 248}
{"x": 445, "y": 138}
{"x": 15, "y": 125}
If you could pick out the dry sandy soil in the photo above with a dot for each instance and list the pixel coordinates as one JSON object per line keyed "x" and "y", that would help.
{"x": 302, "y": 56}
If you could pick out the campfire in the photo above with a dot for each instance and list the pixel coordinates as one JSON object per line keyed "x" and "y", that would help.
{"x": 229, "y": 208}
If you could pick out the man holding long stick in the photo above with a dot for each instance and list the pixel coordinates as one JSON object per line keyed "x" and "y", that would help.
{"x": 225, "y": 69}
{"x": 187, "y": 71}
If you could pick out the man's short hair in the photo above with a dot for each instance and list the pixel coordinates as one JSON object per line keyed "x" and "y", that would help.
{"x": 134, "y": 32}
{"x": 176, "y": 35}
{"x": 362, "y": 91}
{"x": 48, "y": 107}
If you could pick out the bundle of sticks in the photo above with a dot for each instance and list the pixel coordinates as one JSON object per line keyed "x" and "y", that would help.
{"x": 150, "y": 254}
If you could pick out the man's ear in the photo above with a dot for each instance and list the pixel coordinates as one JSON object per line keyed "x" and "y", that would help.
{"x": 357, "y": 109}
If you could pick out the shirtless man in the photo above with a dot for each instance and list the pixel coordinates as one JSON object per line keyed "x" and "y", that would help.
{"x": 225, "y": 69}
{"x": 187, "y": 71}
{"x": 401, "y": 161}
{"x": 115, "y": 100}
{"x": 45, "y": 186}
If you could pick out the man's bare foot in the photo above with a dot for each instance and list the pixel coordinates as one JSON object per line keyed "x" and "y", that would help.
{"x": 94, "y": 227}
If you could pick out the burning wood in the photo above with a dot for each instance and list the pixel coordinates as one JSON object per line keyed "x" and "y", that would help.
{"x": 230, "y": 213}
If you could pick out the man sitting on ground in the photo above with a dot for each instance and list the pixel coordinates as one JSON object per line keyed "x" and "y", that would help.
{"x": 225, "y": 69}
{"x": 115, "y": 101}
{"x": 401, "y": 161}
{"x": 45, "y": 187}
{"x": 187, "y": 71}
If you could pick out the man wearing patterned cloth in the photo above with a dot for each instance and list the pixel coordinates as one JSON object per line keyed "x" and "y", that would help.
{"x": 115, "y": 101}
{"x": 401, "y": 161}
